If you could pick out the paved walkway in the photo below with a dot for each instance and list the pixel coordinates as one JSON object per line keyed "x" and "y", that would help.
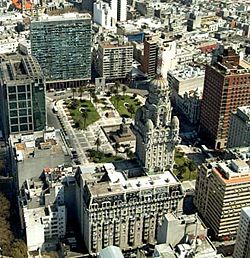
{"x": 85, "y": 139}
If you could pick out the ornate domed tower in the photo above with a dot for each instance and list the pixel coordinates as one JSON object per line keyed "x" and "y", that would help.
{"x": 157, "y": 132}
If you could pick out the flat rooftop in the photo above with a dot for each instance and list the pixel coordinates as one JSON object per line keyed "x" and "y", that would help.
{"x": 233, "y": 171}
{"x": 63, "y": 17}
{"x": 119, "y": 183}
{"x": 32, "y": 159}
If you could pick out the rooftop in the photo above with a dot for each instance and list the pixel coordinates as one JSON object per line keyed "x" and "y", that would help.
{"x": 63, "y": 17}
{"x": 118, "y": 182}
{"x": 246, "y": 210}
{"x": 232, "y": 171}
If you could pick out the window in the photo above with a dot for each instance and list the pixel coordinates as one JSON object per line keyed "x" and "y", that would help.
{"x": 13, "y": 105}
{"x": 12, "y": 97}
{"x": 14, "y": 121}
{"x": 12, "y": 89}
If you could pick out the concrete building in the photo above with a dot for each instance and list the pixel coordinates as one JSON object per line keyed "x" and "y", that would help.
{"x": 242, "y": 246}
{"x": 187, "y": 85}
{"x": 183, "y": 236}
{"x": 103, "y": 15}
{"x": 226, "y": 87}
{"x": 157, "y": 133}
{"x": 114, "y": 61}
{"x": 123, "y": 208}
{"x": 38, "y": 150}
{"x": 239, "y": 130}
{"x": 44, "y": 212}
{"x": 62, "y": 46}
{"x": 222, "y": 189}
{"x": 22, "y": 95}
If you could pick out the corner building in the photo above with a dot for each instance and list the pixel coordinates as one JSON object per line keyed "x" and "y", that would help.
{"x": 62, "y": 46}
{"x": 226, "y": 87}
{"x": 222, "y": 189}
{"x": 117, "y": 208}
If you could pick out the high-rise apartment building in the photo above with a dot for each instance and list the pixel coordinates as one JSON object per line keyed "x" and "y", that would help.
{"x": 239, "y": 130}
{"x": 242, "y": 246}
{"x": 226, "y": 87}
{"x": 114, "y": 61}
{"x": 222, "y": 189}
{"x": 22, "y": 94}
{"x": 62, "y": 46}
{"x": 157, "y": 133}
{"x": 150, "y": 57}
{"x": 123, "y": 208}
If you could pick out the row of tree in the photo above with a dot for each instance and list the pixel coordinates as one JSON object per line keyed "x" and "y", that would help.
{"x": 10, "y": 246}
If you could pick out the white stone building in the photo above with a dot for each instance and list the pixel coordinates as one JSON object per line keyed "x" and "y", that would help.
{"x": 123, "y": 208}
{"x": 157, "y": 133}
{"x": 239, "y": 130}
{"x": 242, "y": 246}
{"x": 43, "y": 211}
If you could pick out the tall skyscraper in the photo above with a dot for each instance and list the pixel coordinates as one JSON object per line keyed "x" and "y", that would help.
{"x": 242, "y": 246}
{"x": 22, "y": 94}
{"x": 149, "y": 65}
{"x": 222, "y": 189}
{"x": 157, "y": 132}
{"x": 62, "y": 46}
{"x": 226, "y": 87}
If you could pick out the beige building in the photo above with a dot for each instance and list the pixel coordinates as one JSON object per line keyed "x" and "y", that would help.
{"x": 242, "y": 246}
{"x": 157, "y": 133}
{"x": 239, "y": 130}
{"x": 114, "y": 61}
{"x": 124, "y": 208}
{"x": 222, "y": 189}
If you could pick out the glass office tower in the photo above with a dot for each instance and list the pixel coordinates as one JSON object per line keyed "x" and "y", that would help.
{"x": 62, "y": 46}
{"x": 22, "y": 94}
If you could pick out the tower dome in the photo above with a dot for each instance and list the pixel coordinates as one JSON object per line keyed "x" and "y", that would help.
{"x": 158, "y": 84}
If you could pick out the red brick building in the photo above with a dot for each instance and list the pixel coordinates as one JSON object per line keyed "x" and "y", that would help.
{"x": 226, "y": 87}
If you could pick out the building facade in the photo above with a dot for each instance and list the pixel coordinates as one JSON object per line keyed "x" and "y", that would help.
{"x": 149, "y": 65}
{"x": 226, "y": 87}
{"x": 124, "y": 208}
{"x": 157, "y": 133}
{"x": 242, "y": 246}
{"x": 239, "y": 130}
{"x": 22, "y": 95}
{"x": 62, "y": 46}
{"x": 222, "y": 189}
{"x": 43, "y": 213}
{"x": 114, "y": 61}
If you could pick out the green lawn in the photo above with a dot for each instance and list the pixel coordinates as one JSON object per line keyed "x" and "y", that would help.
{"x": 100, "y": 157}
{"x": 184, "y": 168}
{"x": 75, "y": 105}
{"x": 120, "y": 104}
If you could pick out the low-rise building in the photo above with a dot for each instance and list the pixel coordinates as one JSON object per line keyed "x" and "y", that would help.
{"x": 43, "y": 210}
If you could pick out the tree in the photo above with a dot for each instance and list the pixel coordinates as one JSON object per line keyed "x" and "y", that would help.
{"x": 117, "y": 85}
{"x": 191, "y": 165}
{"x": 117, "y": 99}
{"x": 129, "y": 153}
{"x": 116, "y": 147}
{"x": 181, "y": 171}
{"x": 84, "y": 116}
{"x": 98, "y": 143}
{"x": 131, "y": 110}
{"x": 124, "y": 89}
{"x": 73, "y": 92}
{"x": 80, "y": 91}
